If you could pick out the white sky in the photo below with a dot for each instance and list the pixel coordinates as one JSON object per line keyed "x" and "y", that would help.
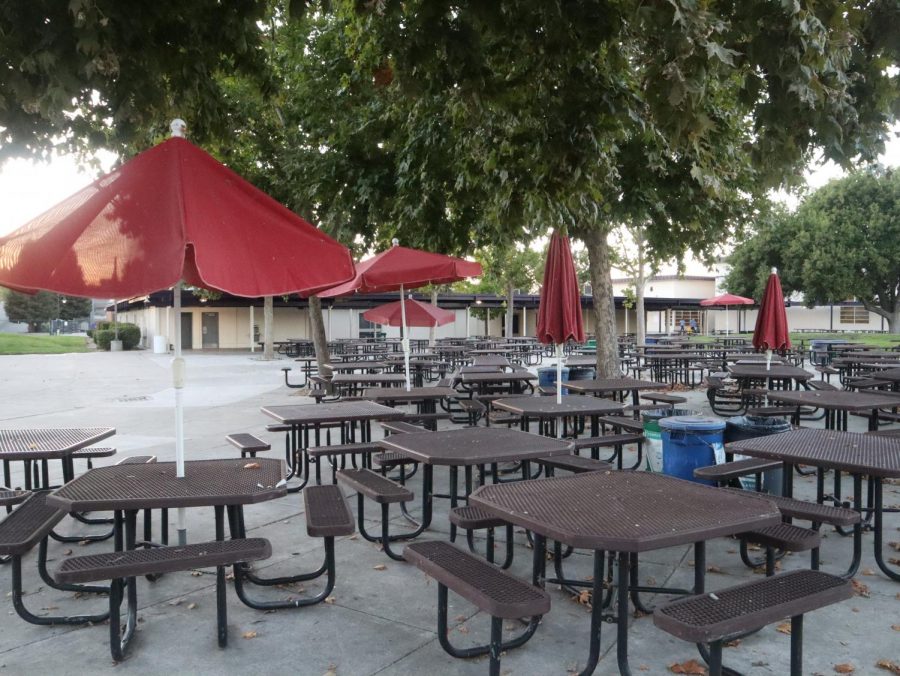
{"x": 28, "y": 188}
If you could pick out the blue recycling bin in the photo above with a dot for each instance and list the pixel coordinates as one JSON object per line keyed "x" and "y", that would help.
{"x": 547, "y": 376}
{"x": 689, "y": 442}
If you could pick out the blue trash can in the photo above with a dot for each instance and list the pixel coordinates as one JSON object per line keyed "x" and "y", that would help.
{"x": 580, "y": 373}
{"x": 743, "y": 427}
{"x": 547, "y": 377}
{"x": 690, "y": 442}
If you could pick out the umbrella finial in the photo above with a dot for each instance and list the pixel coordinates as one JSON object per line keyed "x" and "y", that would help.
{"x": 774, "y": 271}
{"x": 178, "y": 126}
{"x": 395, "y": 242}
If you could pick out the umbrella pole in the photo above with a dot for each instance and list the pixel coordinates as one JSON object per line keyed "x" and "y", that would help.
{"x": 405, "y": 340}
{"x": 178, "y": 382}
{"x": 559, "y": 356}
{"x": 726, "y": 321}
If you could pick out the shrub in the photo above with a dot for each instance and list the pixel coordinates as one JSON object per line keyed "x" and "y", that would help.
{"x": 129, "y": 334}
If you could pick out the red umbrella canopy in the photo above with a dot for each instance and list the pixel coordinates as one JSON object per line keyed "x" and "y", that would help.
{"x": 771, "y": 332}
{"x": 559, "y": 314}
{"x": 171, "y": 213}
{"x": 727, "y": 299}
{"x": 417, "y": 314}
{"x": 409, "y": 268}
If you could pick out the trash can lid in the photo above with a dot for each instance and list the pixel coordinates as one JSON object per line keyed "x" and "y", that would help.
{"x": 693, "y": 423}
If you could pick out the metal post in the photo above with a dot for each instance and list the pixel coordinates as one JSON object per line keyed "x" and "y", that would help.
{"x": 252, "y": 341}
{"x": 178, "y": 383}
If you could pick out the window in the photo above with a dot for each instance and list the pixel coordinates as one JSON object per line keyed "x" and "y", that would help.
{"x": 368, "y": 329}
{"x": 854, "y": 314}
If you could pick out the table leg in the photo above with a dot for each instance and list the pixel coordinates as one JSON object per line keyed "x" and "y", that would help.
{"x": 879, "y": 530}
{"x": 622, "y": 614}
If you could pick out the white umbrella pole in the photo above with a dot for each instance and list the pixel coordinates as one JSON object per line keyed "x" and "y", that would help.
{"x": 768, "y": 360}
{"x": 405, "y": 341}
{"x": 178, "y": 382}
{"x": 726, "y": 321}
{"x": 559, "y": 357}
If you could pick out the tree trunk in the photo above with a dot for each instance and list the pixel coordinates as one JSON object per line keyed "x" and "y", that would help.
{"x": 268, "y": 326}
{"x": 432, "y": 332}
{"x": 604, "y": 309}
{"x": 510, "y": 299}
{"x": 891, "y": 315}
{"x": 320, "y": 341}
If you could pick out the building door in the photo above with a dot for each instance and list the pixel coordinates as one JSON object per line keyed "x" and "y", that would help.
{"x": 210, "y": 330}
{"x": 187, "y": 330}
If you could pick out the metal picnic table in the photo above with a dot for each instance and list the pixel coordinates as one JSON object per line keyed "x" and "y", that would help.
{"x": 837, "y": 404}
{"x": 624, "y": 513}
{"x": 546, "y": 409}
{"x": 615, "y": 386}
{"x": 43, "y": 444}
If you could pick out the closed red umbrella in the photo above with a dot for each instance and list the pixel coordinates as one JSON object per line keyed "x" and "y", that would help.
{"x": 725, "y": 300}
{"x": 400, "y": 268}
{"x": 171, "y": 213}
{"x": 417, "y": 314}
{"x": 559, "y": 313}
{"x": 771, "y": 332}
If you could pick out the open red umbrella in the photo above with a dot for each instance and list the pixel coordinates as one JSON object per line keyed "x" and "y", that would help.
{"x": 171, "y": 213}
{"x": 559, "y": 313}
{"x": 400, "y": 268}
{"x": 725, "y": 300}
{"x": 771, "y": 332}
{"x": 417, "y": 314}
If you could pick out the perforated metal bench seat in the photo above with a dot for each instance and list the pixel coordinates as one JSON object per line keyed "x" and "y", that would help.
{"x": 813, "y": 511}
{"x": 822, "y": 385}
{"x": 575, "y": 464}
{"x": 622, "y": 423}
{"x": 135, "y": 562}
{"x": 608, "y": 440}
{"x": 278, "y": 427}
{"x": 664, "y": 398}
{"x": 471, "y": 405}
{"x": 391, "y": 459}
{"x": 327, "y": 514}
{"x": 749, "y": 606}
{"x": 661, "y": 406}
{"x": 490, "y": 589}
{"x": 400, "y": 427}
{"x": 736, "y": 469}
{"x": 374, "y": 486}
{"x": 28, "y": 524}
{"x": 247, "y": 443}
{"x": 337, "y": 449}
{"x": 94, "y": 452}
{"x": 137, "y": 460}
{"x": 785, "y": 536}
{"x": 473, "y": 518}
{"x": 771, "y": 411}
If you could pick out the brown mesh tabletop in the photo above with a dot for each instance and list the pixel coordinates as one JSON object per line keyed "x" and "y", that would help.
{"x": 871, "y": 454}
{"x": 839, "y": 400}
{"x": 350, "y": 366}
{"x": 481, "y": 378}
{"x": 624, "y": 511}
{"x": 475, "y": 446}
{"x": 778, "y": 371}
{"x": 155, "y": 486}
{"x": 608, "y": 385}
{"x": 309, "y": 414}
{"x": 414, "y": 394}
{"x": 30, "y": 444}
{"x": 893, "y": 375}
{"x": 546, "y": 407}
{"x": 367, "y": 378}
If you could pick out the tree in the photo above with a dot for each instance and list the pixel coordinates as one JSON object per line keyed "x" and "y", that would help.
{"x": 507, "y": 268}
{"x": 843, "y": 242}
{"x": 35, "y": 310}
{"x": 639, "y": 262}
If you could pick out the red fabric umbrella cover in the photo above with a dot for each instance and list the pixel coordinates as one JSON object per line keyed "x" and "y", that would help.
{"x": 771, "y": 332}
{"x": 171, "y": 213}
{"x": 727, "y": 299}
{"x": 559, "y": 314}
{"x": 409, "y": 268}
{"x": 417, "y": 314}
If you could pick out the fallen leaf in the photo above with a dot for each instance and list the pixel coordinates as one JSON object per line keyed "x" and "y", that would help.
{"x": 894, "y": 545}
{"x": 68, "y": 552}
{"x": 732, "y": 644}
{"x": 196, "y": 573}
{"x": 784, "y": 628}
{"x": 460, "y": 618}
{"x": 250, "y": 634}
{"x": 332, "y": 670}
{"x": 689, "y": 667}
{"x": 176, "y": 602}
{"x": 714, "y": 569}
{"x": 380, "y": 566}
{"x": 844, "y": 668}
{"x": 229, "y": 576}
{"x": 868, "y": 572}
{"x": 888, "y": 665}
{"x": 895, "y": 627}
{"x": 462, "y": 629}
{"x": 859, "y": 588}
{"x": 353, "y": 537}
{"x": 191, "y": 606}
{"x": 330, "y": 600}
{"x": 643, "y": 667}
{"x": 251, "y": 465}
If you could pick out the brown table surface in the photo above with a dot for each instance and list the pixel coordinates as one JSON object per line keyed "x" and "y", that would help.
{"x": 840, "y": 400}
{"x": 476, "y": 445}
{"x": 612, "y": 385}
{"x": 546, "y": 407}
{"x": 155, "y": 486}
{"x": 9, "y": 496}
{"x": 341, "y": 367}
{"x": 496, "y": 376}
{"x": 48, "y": 443}
{"x": 414, "y": 394}
{"x": 775, "y": 371}
{"x": 580, "y": 362}
{"x": 363, "y": 378}
{"x": 624, "y": 511}
{"x": 303, "y": 414}
{"x": 893, "y": 375}
{"x": 873, "y": 454}
{"x": 490, "y": 360}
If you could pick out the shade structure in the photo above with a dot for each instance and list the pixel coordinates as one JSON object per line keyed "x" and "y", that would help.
{"x": 725, "y": 300}
{"x": 771, "y": 332}
{"x": 559, "y": 313}
{"x": 417, "y": 314}
{"x": 399, "y": 269}
{"x": 171, "y": 213}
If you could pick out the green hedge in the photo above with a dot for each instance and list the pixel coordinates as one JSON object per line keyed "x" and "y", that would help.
{"x": 129, "y": 334}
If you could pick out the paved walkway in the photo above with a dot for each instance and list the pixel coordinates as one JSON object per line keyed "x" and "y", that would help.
{"x": 383, "y": 617}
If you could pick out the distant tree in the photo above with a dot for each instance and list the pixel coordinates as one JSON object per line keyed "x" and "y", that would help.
{"x": 73, "y": 307}
{"x": 34, "y": 310}
{"x": 633, "y": 255}
{"x": 507, "y": 268}
{"x": 843, "y": 242}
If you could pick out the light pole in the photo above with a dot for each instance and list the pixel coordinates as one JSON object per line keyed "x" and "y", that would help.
{"x": 60, "y": 301}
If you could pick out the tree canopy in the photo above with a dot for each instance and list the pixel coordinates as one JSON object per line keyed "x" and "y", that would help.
{"x": 842, "y": 243}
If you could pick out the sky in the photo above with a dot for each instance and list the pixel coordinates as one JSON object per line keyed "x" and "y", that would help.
{"x": 28, "y": 188}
